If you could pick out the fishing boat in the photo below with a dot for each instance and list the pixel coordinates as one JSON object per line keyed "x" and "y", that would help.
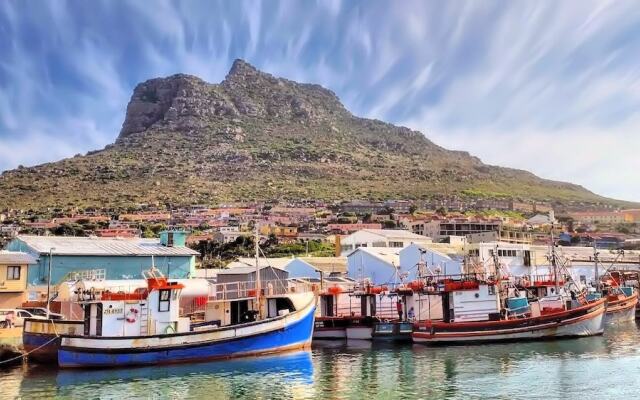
{"x": 492, "y": 309}
{"x": 351, "y": 314}
{"x": 622, "y": 300}
{"x": 144, "y": 327}
{"x": 399, "y": 329}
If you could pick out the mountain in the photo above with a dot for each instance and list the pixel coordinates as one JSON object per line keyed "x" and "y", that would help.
{"x": 255, "y": 137}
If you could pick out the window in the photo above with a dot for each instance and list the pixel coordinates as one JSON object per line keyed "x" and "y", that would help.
{"x": 507, "y": 253}
{"x": 170, "y": 239}
{"x": 165, "y": 300}
{"x": 491, "y": 290}
{"x": 396, "y": 244}
{"x": 13, "y": 273}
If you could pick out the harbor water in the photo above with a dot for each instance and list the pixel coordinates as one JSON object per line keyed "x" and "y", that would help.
{"x": 604, "y": 367}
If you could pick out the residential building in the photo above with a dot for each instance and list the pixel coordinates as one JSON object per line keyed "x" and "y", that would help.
{"x": 229, "y": 236}
{"x": 603, "y": 217}
{"x": 441, "y": 228}
{"x": 362, "y": 207}
{"x": 279, "y": 231}
{"x": 145, "y": 217}
{"x": 380, "y": 238}
{"x": 118, "y": 232}
{"x": 13, "y": 277}
{"x": 506, "y": 236}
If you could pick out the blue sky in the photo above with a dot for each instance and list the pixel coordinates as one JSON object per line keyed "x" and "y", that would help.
{"x": 548, "y": 86}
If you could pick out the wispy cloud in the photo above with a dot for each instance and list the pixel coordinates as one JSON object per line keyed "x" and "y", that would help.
{"x": 552, "y": 87}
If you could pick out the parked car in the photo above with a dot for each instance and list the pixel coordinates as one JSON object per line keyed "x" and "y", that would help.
{"x": 42, "y": 312}
{"x": 18, "y": 316}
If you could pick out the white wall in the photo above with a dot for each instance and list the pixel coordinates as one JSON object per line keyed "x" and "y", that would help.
{"x": 363, "y": 264}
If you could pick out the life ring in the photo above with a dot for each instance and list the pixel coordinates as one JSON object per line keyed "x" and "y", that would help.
{"x": 131, "y": 315}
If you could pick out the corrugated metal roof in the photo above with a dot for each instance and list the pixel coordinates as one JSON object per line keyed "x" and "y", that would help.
{"x": 389, "y": 255}
{"x": 95, "y": 246}
{"x": 327, "y": 264}
{"x": 279, "y": 262}
{"x": 396, "y": 234}
{"x": 244, "y": 270}
{"x": 16, "y": 257}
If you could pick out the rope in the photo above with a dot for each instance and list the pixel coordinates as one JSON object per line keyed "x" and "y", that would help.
{"x": 37, "y": 348}
{"x": 26, "y": 354}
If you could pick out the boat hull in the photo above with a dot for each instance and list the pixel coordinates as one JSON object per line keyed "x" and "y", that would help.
{"x": 290, "y": 332}
{"x": 330, "y": 328}
{"x": 584, "y": 321}
{"x": 359, "y": 333}
{"x": 330, "y": 333}
{"x": 392, "y": 332}
{"x": 623, "y": 310}
{"x": 41, "y": 338}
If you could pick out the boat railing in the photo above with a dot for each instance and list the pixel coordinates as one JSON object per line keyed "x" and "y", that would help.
{"x": 95, "y": 293}
{"x": 247, "y": 289}
{"x": 538, "y": 280}
{"x": 385, "y": 308}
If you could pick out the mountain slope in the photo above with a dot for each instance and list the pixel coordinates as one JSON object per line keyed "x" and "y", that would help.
{"x": 255, "y": 136}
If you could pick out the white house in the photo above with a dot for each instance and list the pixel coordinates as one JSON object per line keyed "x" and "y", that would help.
{"x": 380, "y": 238}
{"x": 378, "y": 264}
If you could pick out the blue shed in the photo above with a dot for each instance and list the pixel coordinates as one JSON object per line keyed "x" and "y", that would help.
{"x": 119, "y": 258}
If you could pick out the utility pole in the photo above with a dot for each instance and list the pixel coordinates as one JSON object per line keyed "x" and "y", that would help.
{"x": 49, "y": 282}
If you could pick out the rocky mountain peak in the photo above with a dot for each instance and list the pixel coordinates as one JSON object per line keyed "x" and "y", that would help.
{"x": 186, "y": 103}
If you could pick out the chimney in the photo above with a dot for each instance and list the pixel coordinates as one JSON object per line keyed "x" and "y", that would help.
{"x": 338, "y": 246}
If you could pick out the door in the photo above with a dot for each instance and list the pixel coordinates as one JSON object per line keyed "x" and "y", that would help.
{"x": 328, "y": 305}
{"x": 272, "y": 308}
{"x": 238, "y": 308}
{"x": 447, "y": 312}
{"x": 99, "y": 319}
{"x": 87, "y": 319}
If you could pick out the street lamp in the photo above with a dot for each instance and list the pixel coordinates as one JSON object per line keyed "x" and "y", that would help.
{"x": 49, "y": 282}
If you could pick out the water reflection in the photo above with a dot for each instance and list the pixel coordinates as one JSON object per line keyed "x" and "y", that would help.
{"x": 282, "y": 376}
{"x": 602, "y": 367}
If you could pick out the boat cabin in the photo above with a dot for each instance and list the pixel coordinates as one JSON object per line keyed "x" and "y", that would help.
{"x": 470, "y": 301}
{"x": 146, "y": 311}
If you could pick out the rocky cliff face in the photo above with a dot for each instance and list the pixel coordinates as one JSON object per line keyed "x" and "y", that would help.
{"x": 184, "y": 102}
{"x": 256, "y": 136}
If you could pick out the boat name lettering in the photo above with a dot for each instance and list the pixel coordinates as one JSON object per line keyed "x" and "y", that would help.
{"x": 113, "y": 311}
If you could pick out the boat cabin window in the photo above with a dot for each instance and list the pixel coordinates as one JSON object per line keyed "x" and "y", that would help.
{"x": 165, "y": 300}
{"x": 491, "y": 289}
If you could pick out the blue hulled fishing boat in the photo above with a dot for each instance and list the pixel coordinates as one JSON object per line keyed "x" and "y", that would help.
{"x": 144, "y": 327}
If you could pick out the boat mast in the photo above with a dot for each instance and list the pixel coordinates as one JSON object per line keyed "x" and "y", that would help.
{"x": 554, "y": 263}
{"x": 595, "y": 260}
{"x": 257, "y": 249}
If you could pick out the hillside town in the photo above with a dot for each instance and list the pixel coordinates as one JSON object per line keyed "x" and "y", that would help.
{"x": 315, "y": 221}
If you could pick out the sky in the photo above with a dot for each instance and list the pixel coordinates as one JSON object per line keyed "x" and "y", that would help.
{"x": 552, "y": 87}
